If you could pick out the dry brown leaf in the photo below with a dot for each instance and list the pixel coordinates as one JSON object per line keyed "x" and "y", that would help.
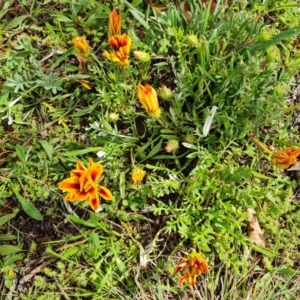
{"x": 186, "y": 11}
{"x": 254, "y": 230}
{"x": 82, "y": 61}
{"x": 158, "y": 7}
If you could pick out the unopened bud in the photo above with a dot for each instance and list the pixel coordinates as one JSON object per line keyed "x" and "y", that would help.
{"x": 165, "y": 93}
{"x": 141, "y": 56}
{"x": 113, "y": 117}
{"x": 192, "y": 40}
{"x": 264, "y": 36}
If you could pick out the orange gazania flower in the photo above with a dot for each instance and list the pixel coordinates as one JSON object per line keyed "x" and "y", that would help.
{"x": 195, "y": 265}
{"x": 148, "y": 98}
{"x": 81, "y": 46}
{"x": 83, "y": 185}
{"x": 122, "y": 45}
{"x": 114, "y": 25}
{"x": 285, "y": 158}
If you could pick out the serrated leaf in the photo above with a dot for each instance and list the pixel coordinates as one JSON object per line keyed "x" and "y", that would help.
{"x": 27, "y": 206}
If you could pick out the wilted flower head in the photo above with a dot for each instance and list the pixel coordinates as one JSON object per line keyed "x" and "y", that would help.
{"x": 171, "y": 146}
{"x": 195, "y": 265}
{"x": 137, "y": 175}
{"x": 81, "y": 46}
{"x": 148, "y": 98}
{"x": 115, "y": 21}
{"x": 122, "y": 45}
{"x": 83, "y": 185}
{"x": 141, "y": 56}
{"x": 285, "y": 158}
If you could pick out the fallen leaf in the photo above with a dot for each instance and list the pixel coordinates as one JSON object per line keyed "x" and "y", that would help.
{"x": 186, "y": 11}
{"x": 254, "y": 230}
{"x": 158, "y": 7}
{"x": 82, "y": 61}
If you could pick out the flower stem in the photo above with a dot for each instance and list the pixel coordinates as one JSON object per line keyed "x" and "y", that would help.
{"x": 260, "y": 144}
{"x": 161, "y": 123}
{"x": 132, "y": 157}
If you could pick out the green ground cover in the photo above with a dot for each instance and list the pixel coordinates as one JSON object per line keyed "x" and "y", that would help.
{"x": 184, "y": 172}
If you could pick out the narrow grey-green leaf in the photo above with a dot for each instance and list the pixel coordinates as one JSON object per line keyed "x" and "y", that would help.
{"x": 21, "y": 153}
{"x": 122, "y": 185}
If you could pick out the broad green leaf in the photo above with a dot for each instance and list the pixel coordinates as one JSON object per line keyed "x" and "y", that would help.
{"x": 8, "y": 249}
{"x": 287, "y": 271}
{"x": 27, "y": 206}
{"x": 8, "y": 217}
{"x": 48, "y": 148}
{"x": 21, "y": 153}
{"x": 71, "y": 251}
{"x": 7, "y": 237}
{"x": 15, "y": 22}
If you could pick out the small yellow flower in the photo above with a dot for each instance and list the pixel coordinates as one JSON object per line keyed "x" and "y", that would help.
{"x": 287, "y": 157}
{"x": 115, "y": 21}
{"x": 195, "y": 265}
{"x": 137, "y": 175}
{"x": 81, "y": 46}
{"x": 148, "y": 98}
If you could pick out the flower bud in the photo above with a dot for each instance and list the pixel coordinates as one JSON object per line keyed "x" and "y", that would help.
{"x": 142, "y": 56}
{"x": 264, "y": 36}
{"x": 113, "y": 117}
{"x": 192, "y": 40}
{"x": 165, "y": 93}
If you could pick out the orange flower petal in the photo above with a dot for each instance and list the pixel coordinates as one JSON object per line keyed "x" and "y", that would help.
{"x": 69, "y": 185}
{"x": 94, "y": 201}
{"x": 105, "y": 193}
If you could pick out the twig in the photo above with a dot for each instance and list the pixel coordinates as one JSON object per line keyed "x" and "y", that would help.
{"x": 38, "y": 269}
{"x": 61, "y": 289}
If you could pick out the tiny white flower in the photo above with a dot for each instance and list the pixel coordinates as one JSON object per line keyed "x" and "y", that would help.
{"x": 101, "y": 154}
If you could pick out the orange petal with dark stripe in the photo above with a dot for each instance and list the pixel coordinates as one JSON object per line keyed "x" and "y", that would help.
{"x": 105, "y": 193}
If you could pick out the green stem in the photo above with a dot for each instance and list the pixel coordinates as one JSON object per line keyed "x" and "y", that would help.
{"x": 260, "y": 144}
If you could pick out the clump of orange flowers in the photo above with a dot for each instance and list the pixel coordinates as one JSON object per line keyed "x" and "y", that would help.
{"x": 83, "y": 185}
{"x": 148, "y": 98}
{"x": 120, "y": 43}
{"x": 285, "y": 158}
{"x": 195, "y": 265}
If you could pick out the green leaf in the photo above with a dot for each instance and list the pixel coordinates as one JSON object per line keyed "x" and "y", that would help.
{"x": 15, "y": 22}
{"x": 137, "y": 14}
{"x": 48, "y": 148}
{"x": 8, "y": 217}
{"x": 154, "y": 150}
{"x": 81, "y": 222}
{"x": 122, "y": 185}
{"x": 27, "y": 206}
{"x": 264, "y": 251}
{"x": 71, "y": 251}
{"x": 7, "y": 237}
{"x": 8, "y": 249}
{"x": 21, "y": 153}
{"x": 76, "y": 153}
{"x": 287, "y": 271}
